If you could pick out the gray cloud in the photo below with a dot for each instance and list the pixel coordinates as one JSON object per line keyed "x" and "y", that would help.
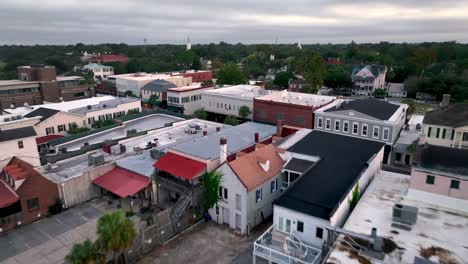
{"x": 247, "y": 21}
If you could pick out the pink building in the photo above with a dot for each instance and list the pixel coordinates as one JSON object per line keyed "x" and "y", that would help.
{"x": 441, "y": 170}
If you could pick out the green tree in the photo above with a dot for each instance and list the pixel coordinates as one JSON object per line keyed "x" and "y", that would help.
{"x": 313, "y": 70}
{"x": 411, "y": 105}
{"x": 424, "y": 57}
{"x": 337, "y": 77}
{"x": 354, "y": 197}
{"x": 84, "y": 253}
{"x": 379, "y": 93}
{"x": 128, "y": 93}
{"x": 153, "y": 98}
{"x": 231, "y": 120}
{"x": 211, "y": 182}
{"x": 269, "y": 85}
{"x": 200, "y": 114}
{"x": 230, "y": 74}
{"x": 207, "y": 83}
{"x": 116, "y": 234}
{"x": 282, "y": 79}
{"x": 244, "y": 111}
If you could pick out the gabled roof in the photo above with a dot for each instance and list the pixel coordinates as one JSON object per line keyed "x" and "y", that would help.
{"x": 258, "y": 167}
{"x": 442, "y": 159}
{"x": 17, "y": 133}
{"x": 7, "y": 195}
{"x": 122, "y": 182}
{"x": 454, "y": 115}
{"x": 180, "y": 166}
{"x": 158, "y": 86}
{"x": 43, "y": 112}
{"x": 374, "y": 69}
{"x": 19, "y": 169}
{"x": 299, "y": 165}
{"x": 342, "y": 159}
{"x": 372, "y": 107}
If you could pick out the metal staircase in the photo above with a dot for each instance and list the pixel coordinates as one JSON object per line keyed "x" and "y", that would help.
{"x": 295, "y": 244}
{"x": 180, "y": 206}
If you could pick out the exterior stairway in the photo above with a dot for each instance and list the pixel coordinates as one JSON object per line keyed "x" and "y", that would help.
{"x": 180, "y": 206}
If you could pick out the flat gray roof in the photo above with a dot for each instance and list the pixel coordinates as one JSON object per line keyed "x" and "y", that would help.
{"x": 238, "y": 138}
{"x": 103, "y": 105}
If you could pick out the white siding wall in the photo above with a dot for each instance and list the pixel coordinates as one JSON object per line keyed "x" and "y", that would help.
{"x": 119, "y": 108}
{"x": 212, "y": 103}
{"x": 28, "y": 153}
{"x": 265, "y": 206}
{"x": 190, "y": 106}
{"x": 310, "y": 225}
{"x": 439, "y": 141}
{"x": 60, "y": 118}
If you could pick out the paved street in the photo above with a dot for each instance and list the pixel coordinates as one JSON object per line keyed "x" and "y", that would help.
{"x": 50, "y": 239}
{"x": 206, "y": 243}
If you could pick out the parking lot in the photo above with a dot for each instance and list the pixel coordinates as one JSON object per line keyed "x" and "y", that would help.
{"x": 50, "y": 239}
{"x": 206, "y": 243}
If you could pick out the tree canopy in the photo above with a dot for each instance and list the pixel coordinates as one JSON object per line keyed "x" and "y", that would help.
{"x": 230, "y": 74}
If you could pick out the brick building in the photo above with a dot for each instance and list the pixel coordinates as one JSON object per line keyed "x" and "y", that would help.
{"x": 197, "y": 76}
{"x": 39, "y": 83}
{"x": 293, "y": 109}
{"x": 25, "y": 195}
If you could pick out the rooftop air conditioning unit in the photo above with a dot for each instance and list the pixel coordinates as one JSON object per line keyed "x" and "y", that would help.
{"x": 405, "y": 214}
{"x": 95, "y": 159}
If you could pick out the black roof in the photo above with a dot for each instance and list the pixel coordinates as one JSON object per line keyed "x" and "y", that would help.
{"x": 342, "y": 159}
{"x": 454, "y": 115}
{"x": 298, "y": 81}
{"x": 44, "y": 112}
{"x": 299, "y": 165}
{"x": 17, "y": 133}
{"x": 372, "y": 107}
{"x": 159, "y": 86}
{"x": 442, "y": 159}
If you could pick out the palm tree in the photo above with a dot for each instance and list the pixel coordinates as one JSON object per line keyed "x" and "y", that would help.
{"x": 85, "y": 253}
{"x": 116, "y": 233}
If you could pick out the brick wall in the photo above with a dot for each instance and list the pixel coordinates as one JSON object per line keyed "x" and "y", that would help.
{"x": 292, "y": 115}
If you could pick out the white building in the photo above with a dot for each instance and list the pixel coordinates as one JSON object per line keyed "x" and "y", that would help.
{"x": 100, "y": 72}
{"x": 396, "y": 90}
{"x": 249, "y": 185}
{"x": 368, "y": 78}
{"x": 187, "y": 97}
{"x": 18, "y": 138}
{"x": 326, "y": 169}
{"x": 229, "y": 100}
{"x": 135, "y": 81}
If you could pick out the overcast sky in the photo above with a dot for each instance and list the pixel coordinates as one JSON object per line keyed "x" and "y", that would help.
{"x": 246, "y": 21}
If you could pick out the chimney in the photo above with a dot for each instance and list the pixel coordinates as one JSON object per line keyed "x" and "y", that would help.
{"x": 257, "y": 137}
{"x": 445, "y": 100}
{"x": 205, "y": 133}
{"x": 222, "y": 150}
{"x": 279, "y": 127}
{"x": 218, "y": 129}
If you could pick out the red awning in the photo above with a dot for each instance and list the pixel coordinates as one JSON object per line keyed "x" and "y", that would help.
{"x": 180, "y": 166}
{"x": 122, "y": 182}
{"x": 7, "y": 195}
{"x": 45, "y": 139}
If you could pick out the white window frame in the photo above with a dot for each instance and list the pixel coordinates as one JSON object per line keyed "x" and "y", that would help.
{"x": 352, "y": 129}
{"x": 388, "y": 134}
{"x": 362, "y": 130}
{"x": 273, "y": 186}
{"x": 347, "y": 123}
{"x": 378, "y": 132}
{"x": 320, "y": 122}
{"x": 326, "y": 122}
{"x": 339, "y": 125}
{"x": 260, "y": 197}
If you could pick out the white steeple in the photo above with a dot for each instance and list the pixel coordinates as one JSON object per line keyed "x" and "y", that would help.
{"x": 299, "y": 45}
{"x": 188, "y": 45}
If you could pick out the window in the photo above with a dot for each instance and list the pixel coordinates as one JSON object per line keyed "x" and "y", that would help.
{"x": 398, "y": 156}
{"x": 345, "y": 126}
{"x": 300, "y": 226}
{"x": 327, "y": 124}
{"x": 72, "y": 125}
{"x": 364, "y": 130}
{"x": 273, "y": 186}
{"x": 238, "y": 202}
{"x": 225, "y": 193}
{"x": 91, "y": 120}
{"x": 20, "y": 144}
{"x": 33, "y": 204}
{"x": 280, "y": 223}
{"x": 217, "y": 210}
{"x": 258, "y": 195}
{"x": 319, "y": 122}
{"x": 50, "y": 130}
{"x": 375, "y": 133}
{"x": 220, "y": 192}
{"x": 355, "y": 128}
{"x": 386, "y": 133}
{"x": 319, "y": 232}
{"x": 430, "y": 179}
{"x": 453, "y": 134}
{"x": 337, "y": 125}
{"x": 438, "y": 132}
{"x": 61, "y": 128}
{"x": 429, "y": 130}
{"x": 455, "y": 184}
{"x": 443, "y": 133}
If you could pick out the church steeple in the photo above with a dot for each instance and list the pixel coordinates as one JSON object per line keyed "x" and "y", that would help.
{"x": 188, "y": 46}
{"x": 299, "y": 45}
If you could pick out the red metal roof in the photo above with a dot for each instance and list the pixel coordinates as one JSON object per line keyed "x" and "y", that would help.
{"x": 45, "y": 139}
{"x": 7, "y": 195}
{"x": 122, "y": 182}
{"x": 180, "y": 166}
